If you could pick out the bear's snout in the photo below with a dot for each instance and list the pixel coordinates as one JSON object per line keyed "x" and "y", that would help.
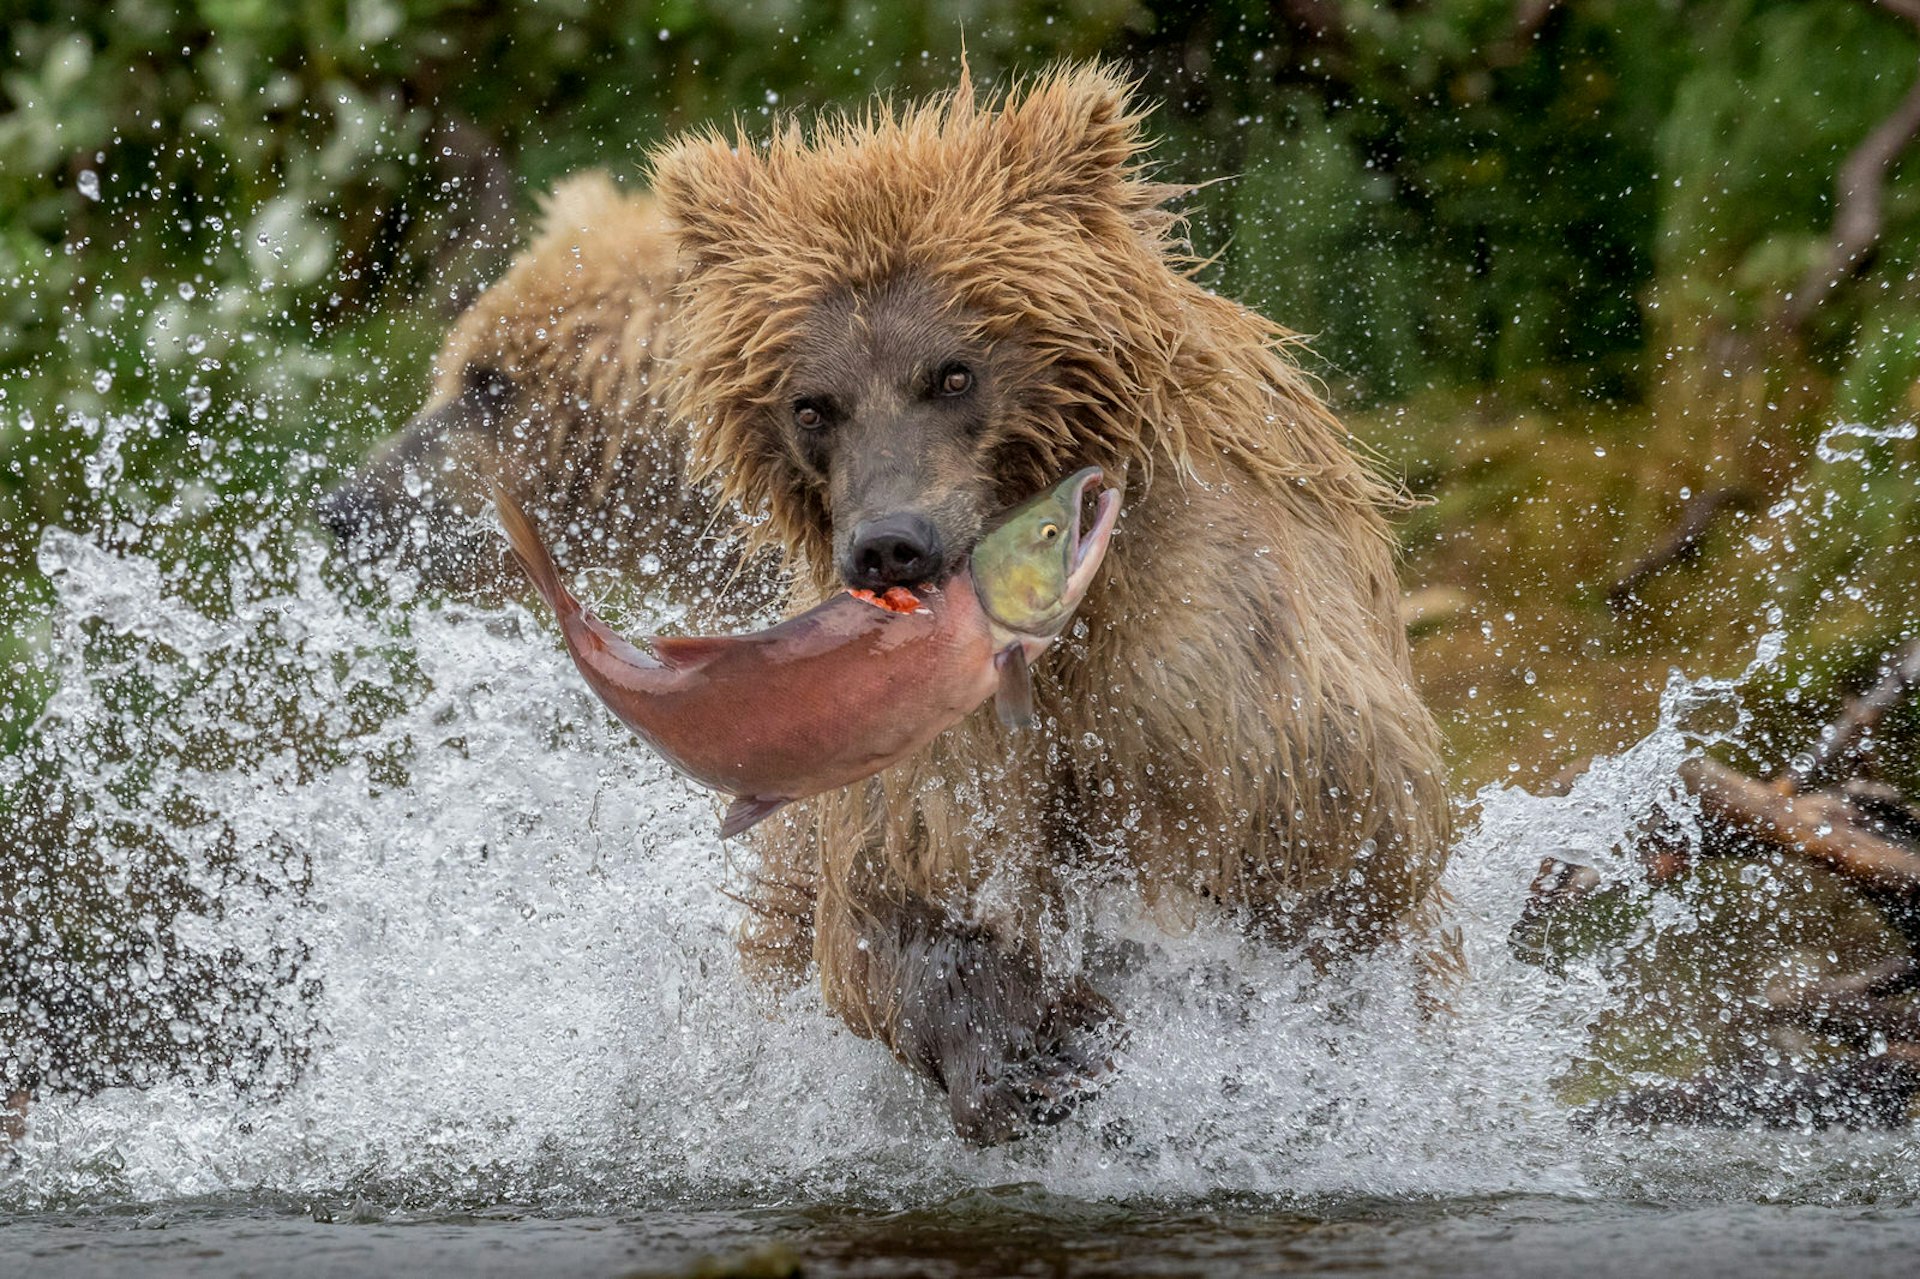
{"x": 346, "y": 511}
{"x": 902, "y": 549}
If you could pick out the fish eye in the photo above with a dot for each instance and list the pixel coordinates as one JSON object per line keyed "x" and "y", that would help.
{"x": 1049, "y": 531}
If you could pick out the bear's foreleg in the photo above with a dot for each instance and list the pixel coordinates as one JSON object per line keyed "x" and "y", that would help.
{"x": 967, "y": 1010}
{"x": 775, "y": 941}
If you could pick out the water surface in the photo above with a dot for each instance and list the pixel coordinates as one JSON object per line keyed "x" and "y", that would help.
{"x": 1001, "y": 1231}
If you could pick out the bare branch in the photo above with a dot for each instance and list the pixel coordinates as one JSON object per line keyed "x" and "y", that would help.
{"x": 1859, "y": 194}
{"x": 1816, "y": 826}
{"x": 1898, "y": 674}
{"x": 1681, "y": 543}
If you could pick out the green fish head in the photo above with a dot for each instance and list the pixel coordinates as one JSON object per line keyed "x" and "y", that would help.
{"x": 1032, "y": 570}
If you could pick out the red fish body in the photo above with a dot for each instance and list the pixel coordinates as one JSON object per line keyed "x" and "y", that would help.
{"x": 819, "y": 701}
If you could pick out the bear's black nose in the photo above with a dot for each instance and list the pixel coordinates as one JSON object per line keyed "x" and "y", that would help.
{"x": 894, "y": 550}
{"x": 345, "y": 511}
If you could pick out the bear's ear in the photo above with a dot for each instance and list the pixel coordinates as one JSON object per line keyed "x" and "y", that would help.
{"x": 1074, "y": 135}
{"x": 707, "y": 187}
{"x": 578, "y": 203}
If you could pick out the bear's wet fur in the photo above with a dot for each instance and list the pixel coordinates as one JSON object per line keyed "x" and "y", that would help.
{"x": 915, "y": 317}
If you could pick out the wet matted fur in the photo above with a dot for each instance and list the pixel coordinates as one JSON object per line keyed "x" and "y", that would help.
{"x": 1233, "y": 722}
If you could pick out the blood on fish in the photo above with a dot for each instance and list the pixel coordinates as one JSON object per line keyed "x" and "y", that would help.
{"x": 895, "y": 599}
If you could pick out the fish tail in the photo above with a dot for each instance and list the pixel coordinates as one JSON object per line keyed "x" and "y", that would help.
{"x": 532, "y": 554}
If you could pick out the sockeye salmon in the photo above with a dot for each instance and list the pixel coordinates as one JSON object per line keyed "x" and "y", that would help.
{"x": 836, "y": 694}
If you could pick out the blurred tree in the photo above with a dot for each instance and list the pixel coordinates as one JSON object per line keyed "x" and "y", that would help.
{"x": 223, "y": 219}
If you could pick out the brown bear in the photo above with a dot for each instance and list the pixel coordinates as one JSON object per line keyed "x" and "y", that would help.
{"x": 547, "y": 384}
{"x": 890, "y": 329}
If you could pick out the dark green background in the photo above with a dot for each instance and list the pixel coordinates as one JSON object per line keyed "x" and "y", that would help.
{"x": 1598, "y": 202}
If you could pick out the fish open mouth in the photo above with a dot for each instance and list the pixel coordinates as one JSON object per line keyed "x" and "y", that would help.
{"x": 1106, "y": 509}
{"x": 1089, "y": 550}
{"x": 1031, "y": 580}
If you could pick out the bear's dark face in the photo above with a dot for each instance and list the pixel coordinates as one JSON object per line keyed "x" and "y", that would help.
{"x": 896, "y": 411}
{"x": 418, "y": 496}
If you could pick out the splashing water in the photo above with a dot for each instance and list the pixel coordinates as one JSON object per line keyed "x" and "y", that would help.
{"x": 469, "y": 938}
{"x": 1832, "y": 447}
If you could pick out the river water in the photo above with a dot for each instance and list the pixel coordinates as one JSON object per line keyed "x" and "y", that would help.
{"x": 400, "y": 956}
{"x": 1010, "y": 1230}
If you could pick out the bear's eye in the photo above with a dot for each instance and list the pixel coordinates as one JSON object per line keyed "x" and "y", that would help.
{"x": 954, "y": 379}
{"x": 808, "y": 416}
{"x": 488, "y": 388}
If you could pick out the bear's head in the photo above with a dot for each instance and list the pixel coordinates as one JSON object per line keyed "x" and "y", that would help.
{"x": 542, "y": 386}
{"x": 897, "y": 324}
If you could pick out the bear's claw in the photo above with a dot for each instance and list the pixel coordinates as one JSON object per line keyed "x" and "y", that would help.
{"x": 1012, "y": 1049}
{"x": 1073, "y": 1063}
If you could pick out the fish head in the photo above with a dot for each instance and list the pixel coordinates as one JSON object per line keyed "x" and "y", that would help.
{"x": 1033, "y": 569}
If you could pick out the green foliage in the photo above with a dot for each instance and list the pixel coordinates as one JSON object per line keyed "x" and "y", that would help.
{"x": 1774, "y": 98}
{"x": 231, "y": 230}
{"x": 1441, "y": 195}
{"x": 1442, "y": 199}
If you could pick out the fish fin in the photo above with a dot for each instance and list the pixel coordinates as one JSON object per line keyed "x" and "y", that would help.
{"x": 746, "y": 812}
{"x": 685, "y": 651}
{"x": 532, "y": 554}
{"x": 599, "y": 634}
{"x": 1014, "y": 697}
